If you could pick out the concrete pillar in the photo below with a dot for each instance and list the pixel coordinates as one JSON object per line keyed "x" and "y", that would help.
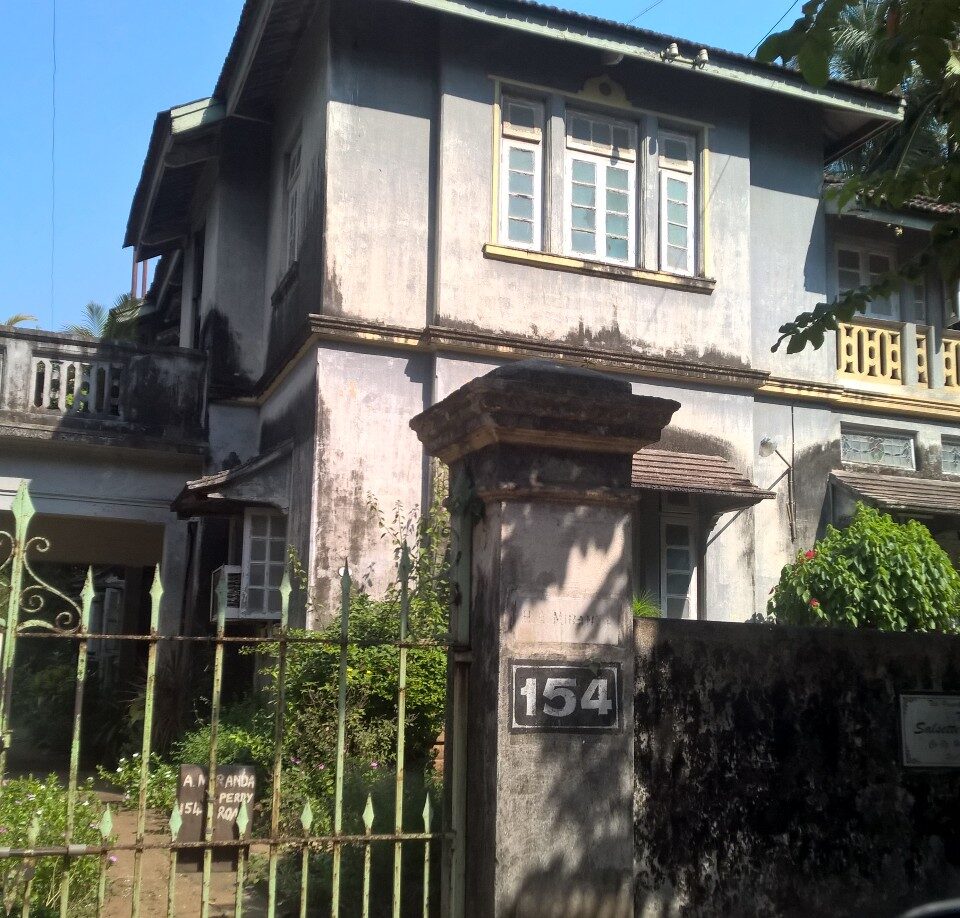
{"x": 549, "y": 721}
{"x": 908, "y": 353}
{"x": 173, "y": 571}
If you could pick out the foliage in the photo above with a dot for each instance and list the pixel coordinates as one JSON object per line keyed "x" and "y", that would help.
{"x": 118, "y": 323}
{"x": 645, "y": 605}
{"x": 18, "y": 318}
{"x": 910, "y": 46}
{"x": 23, "y": 800}
{"x": 876, "y": 573}
{"x": 161, "y": 783}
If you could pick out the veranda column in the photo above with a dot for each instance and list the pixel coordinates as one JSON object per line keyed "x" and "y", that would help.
{"x": 549, "y": 745}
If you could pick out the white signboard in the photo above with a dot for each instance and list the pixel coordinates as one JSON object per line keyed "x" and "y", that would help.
{"x": 930, "y": 730}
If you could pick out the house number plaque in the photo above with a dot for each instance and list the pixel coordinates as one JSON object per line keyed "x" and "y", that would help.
{"x": 930, "y": 730}
{"x": 565, "y": 697}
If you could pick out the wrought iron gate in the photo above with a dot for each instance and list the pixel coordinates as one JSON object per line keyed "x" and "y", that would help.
{"x": 37, "y": 610}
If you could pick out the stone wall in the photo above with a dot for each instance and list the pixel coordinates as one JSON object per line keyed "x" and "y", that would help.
{"x": 768, "y": 775}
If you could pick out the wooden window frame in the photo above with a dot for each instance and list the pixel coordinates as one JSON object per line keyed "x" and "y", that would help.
{"x": 517, "y": 137}
{"x": 274, "y": 518}
{"x": 685, "y": 171}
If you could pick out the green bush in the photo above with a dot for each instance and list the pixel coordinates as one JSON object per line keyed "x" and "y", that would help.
{"x": 876, "y": 573}
{"x": 161, "y": 781}
{"x": 23, "y": 800}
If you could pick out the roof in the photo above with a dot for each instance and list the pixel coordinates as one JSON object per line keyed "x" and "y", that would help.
{"x": 921, "y": 204}
{"x": 904, "y": 494}
{"x": 688, "y": 473}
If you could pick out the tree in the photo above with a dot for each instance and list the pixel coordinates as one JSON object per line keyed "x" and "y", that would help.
{"x": 115, "y": 324}
{"x": 18, "y": 318}
{"x": 876, "y": 573}
{"x": 913, "y": 48}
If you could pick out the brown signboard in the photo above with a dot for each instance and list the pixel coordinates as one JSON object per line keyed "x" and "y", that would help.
{"x": 236, "y": 785}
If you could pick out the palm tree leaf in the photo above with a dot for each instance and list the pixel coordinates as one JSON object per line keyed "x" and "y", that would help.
{"x": 18, "y": 318}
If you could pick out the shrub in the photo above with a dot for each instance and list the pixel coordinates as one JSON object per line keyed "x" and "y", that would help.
{"x": 876, "y": 573}
{"x": 21, "y": 801}
{"x": 161, "y": 782}
{"x": 645, "y": 605}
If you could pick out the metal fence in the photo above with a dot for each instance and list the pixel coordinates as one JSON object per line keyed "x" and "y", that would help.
{"x": 38, "y": 610}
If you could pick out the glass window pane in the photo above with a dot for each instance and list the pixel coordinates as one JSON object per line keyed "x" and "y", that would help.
{"x": 877, "y": 448}
{"x": 278, "y": 550}
{"x": 521, "y": 159}
{"x": 584, "y": 218}
{"x": 521, "y": 207}
{"x": 676, "y": 190}
{"x": 584, "y": 242}
{"x": 256, "y": 575}
{"x": 677, "y": 213}
{"x": 849, "y": 260}
{"x": 676, "y": 235}
{"x": 616, "y": 248}
{"x": 274, "y": 575}
{"x": 618, "y": 178}
{"x": 676, "y": 535}
{"x": 617, "y": 225}
{"x": 601, "y": 133}
{"x": 258, "y": 524}
{"x": 585, "y": 195}
{"x": 254, "y": 600}
{"x": 617, "y": 201}
{"x": 584, "y": 172}
{"x": 879, "y": 264}
{"x": 580, "y": 129}
{"x": 673, "y": 148}
{"x": 521, "y": 183}
{"x": 678, "y": 559}
{"x": 258, "y": 550}
{"x": 522, "y": 116}
{"x": 520, "y": 231}
{"x": 621, "y": 138}
{"x": 677, "y": 258}
{"x": 278, "y": 528}
{"x": 678, "y": 584}
{"x": 676, "y": 606}
{"x": 273, "y": 602}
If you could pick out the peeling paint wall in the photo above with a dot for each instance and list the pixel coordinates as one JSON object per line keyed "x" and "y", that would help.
{"x": 768, "y": 776}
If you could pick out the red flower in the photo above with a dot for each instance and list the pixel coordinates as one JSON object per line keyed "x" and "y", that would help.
{"x": 810, "y": 555}
{"x": 814, "y": 603}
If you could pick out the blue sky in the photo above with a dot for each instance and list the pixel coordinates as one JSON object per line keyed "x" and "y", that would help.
{"x": 118, "y": 63}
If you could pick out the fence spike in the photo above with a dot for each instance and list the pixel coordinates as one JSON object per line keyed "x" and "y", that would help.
{"x": 86, "y": 598}
{"x": 427, "y": 814}
{"x": 106, "y": 823}
{"x": 175, "y": 823}
{"x": 404, "y": 569}
{"x": 368, "y": 815}
{"x": 23, "y": 511}
{"x": 243, "y": 818}
{"x": 33, "y": 833}
{"x": 156, "y": 594}
{"x": 306, "y": 817}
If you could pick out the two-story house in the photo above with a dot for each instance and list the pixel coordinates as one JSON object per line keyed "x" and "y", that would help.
{"x": 383, "y": 199}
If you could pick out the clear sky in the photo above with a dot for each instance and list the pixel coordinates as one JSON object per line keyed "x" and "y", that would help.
{"x": 118, "y": 62}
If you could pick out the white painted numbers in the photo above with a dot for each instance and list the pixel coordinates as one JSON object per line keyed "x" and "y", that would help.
{"x": 550, "y": 697}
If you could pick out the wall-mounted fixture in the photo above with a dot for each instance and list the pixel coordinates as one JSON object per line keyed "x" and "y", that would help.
{"x": 672, "y": 53}
{"x": 768, "y": 446}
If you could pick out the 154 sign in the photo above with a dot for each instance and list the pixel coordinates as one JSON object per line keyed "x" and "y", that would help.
{"x": 563, "y": 697}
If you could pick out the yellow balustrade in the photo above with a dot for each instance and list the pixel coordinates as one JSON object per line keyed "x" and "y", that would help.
{"x": 870, "y": 352}
{"x": 951, "y": 362}
{"x": 923, "y": 372}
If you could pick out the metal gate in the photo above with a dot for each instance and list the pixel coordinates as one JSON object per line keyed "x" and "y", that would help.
{"x": 37, "y": 610}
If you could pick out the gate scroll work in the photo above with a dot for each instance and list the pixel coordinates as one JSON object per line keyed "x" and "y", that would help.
{"x": 398, "y": 859}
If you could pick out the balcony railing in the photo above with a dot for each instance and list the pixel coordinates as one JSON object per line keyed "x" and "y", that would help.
{"x": 899, "y": 354}
{"x": 57, "y": 381}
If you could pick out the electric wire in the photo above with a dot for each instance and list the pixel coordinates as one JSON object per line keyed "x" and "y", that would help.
{"x": 770, "y": 30}
{"x": 53, "y": 162}
{"x": 644, "y": 12}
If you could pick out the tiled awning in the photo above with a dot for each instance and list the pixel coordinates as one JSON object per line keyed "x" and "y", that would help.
{"x": 711, "y": 477}
{"x": 903, "y": 494}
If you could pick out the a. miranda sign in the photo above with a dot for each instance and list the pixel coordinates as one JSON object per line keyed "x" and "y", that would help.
{"x": 930, "y": 730}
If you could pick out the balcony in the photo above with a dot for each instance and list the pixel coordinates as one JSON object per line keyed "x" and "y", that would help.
{"x": 898, "y": 354}
{"x": 55, "y": 386}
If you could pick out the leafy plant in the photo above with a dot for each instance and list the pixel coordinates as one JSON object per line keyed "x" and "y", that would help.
{"x": 161, "y": 783}
{"x": 645, "y": 605}
{"x": 876, "y": 573}
{"x": 18, "y": 318}
{"x": 118, "y": 323}
{"x": 42, "y": 804}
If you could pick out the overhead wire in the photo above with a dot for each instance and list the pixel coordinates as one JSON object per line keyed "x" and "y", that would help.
{"x": 644, "y": 12}
{"x": 53, "y": 163}
{"x": 770, "y": 30}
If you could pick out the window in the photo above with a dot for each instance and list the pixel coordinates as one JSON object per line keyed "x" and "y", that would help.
{"x": 951, "y": 456}
{"x": 521, "y": 173}
{"x": 291, "y": 189}
{"x": 676, "y": 162}
{"x": 600, "y": 195}
{"x": 877, "y": 448}
{"x": 860, "y": 268}
{"x": 264, "y": 559}
{"x": 915, "y": 304}
{"x": 678, "y": 566}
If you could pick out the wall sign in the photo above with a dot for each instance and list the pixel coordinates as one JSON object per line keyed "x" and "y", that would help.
{"x": 930, "y": 730}
{"x": 236, "y": 784}
{"x": 564, "y": 697}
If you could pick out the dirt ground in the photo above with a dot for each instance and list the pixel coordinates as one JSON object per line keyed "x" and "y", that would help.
{"x": 156, "y": 873}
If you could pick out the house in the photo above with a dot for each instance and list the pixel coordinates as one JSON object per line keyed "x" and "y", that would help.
{"x": 383, "y": 199}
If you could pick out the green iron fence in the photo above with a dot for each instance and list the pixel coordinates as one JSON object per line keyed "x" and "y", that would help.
{"x": 36, "y": 609}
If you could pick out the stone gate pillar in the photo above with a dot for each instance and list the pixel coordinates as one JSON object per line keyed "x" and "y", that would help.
{"x": 549, "y": 725}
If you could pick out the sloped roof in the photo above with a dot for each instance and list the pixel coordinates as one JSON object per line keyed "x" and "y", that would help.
{"x": 688, "y": 473}
{"x": 904, "y": 494}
